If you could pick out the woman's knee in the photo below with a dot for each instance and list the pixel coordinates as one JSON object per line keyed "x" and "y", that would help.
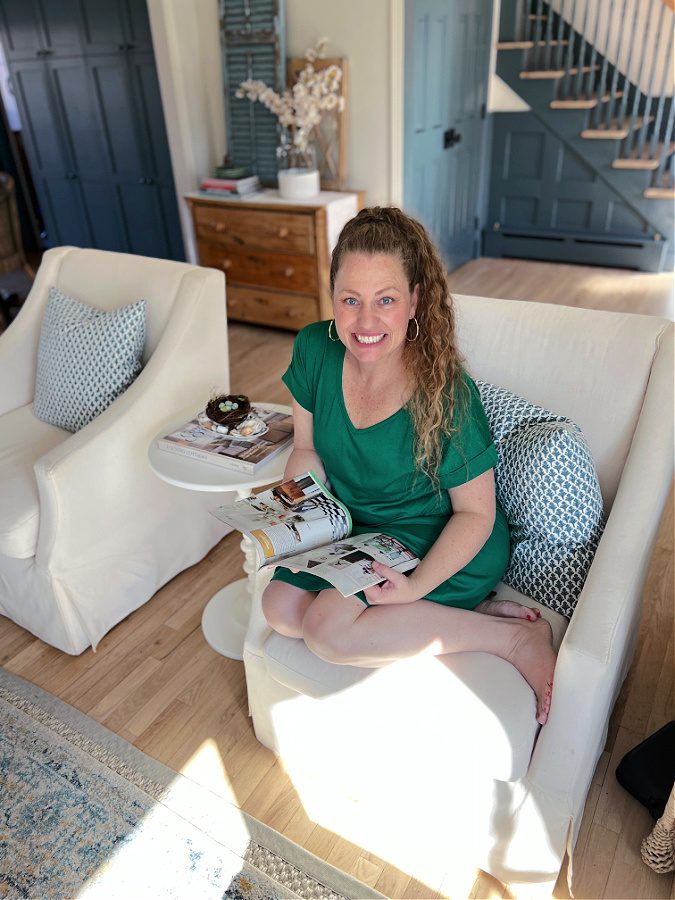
{"x": 284, "y": 607}
{"x": 326, "y": 637}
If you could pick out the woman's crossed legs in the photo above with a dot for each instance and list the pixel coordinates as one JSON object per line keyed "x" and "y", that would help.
{"x": 345, "y": 631}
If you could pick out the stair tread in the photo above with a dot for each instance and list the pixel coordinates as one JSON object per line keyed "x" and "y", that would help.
{"x": 660, "y": 193}
{"x": 556, "y": 73}
{"x": 646, "y": 160}
{"x": 528, "y": 45}
{"x": 583, "y": 102}
{"x": 615, "y": 131}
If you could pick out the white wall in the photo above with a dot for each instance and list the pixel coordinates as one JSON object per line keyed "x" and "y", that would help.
{"x": 187, "y": 53}
{"x": 359, "y": 30}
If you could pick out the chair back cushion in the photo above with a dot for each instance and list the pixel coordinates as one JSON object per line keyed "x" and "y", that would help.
{"x": 86, "y": 358}
{"x": 591, "y": 366}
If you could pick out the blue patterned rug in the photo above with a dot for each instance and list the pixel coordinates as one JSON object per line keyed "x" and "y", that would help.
{"x": 85, "y": 814}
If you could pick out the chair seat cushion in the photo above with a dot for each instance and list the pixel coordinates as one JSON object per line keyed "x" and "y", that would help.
{"x": 490, "y": 719}
{"x": 23, "y": 440}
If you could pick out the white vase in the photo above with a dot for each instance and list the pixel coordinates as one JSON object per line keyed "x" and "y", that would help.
{"x": 297, "y": 172}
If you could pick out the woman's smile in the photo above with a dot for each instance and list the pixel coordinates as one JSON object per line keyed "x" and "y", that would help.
{"x": 369, "y": 338}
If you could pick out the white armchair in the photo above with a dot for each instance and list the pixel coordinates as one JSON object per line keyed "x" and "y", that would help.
{"x": 425, "y": 761}
{"x": 88, "y": 532}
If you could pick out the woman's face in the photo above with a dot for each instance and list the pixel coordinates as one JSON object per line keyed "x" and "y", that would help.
{"x": 372, "y": 305}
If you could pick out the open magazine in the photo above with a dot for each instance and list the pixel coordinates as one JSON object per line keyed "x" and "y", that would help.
{"x": 300, "y": 525}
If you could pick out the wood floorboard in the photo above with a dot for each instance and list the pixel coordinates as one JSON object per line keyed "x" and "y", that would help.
{"x": 154, "y": 681}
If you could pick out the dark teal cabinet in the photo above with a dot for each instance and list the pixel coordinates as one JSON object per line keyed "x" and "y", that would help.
{"x": 86, "y": 87}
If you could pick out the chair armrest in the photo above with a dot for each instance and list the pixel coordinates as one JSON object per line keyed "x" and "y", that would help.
{"x": 90, "y": 482}
{"x": 19, "y": 343}
{"x": 598, "y": 646}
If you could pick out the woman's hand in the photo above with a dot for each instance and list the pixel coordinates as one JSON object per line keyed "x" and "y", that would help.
{"x": 397, "y": 588}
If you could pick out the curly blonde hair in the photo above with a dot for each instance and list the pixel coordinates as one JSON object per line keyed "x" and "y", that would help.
{"x": 432, "y": 359}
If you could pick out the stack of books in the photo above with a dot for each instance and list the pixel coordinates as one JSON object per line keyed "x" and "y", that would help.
{"x": 231, "y": 187}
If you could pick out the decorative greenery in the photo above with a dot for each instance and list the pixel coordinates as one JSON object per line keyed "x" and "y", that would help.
{"x": 301, "y": 107}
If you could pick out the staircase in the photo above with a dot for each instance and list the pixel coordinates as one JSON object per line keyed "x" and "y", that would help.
{"x": 598, "y": 78}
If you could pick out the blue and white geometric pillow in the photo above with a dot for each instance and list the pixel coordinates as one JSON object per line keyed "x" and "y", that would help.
{"x": 87, "y": 357}
{"x": 547, "y": 485}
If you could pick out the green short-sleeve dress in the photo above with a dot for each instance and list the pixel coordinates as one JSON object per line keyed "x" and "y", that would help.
{"x": 372, "y": 470}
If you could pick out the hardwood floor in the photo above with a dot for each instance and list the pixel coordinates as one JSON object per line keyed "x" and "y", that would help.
{"x": 155, "y": 681}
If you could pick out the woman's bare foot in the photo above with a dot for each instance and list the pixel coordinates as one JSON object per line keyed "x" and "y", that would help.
{"x": 534, "y": 657}
{"x": 508, "y": 609}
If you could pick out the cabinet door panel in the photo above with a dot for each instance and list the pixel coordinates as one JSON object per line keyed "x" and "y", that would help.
{"x": 79, "y": 114}
{"x": 123, "y": 138}
{"x": 103, "y": 27}
{"x": 61, "y": 22}
{"x": 21, "y": 31}
{"x": 104, "y": 214}
{"x": 63, "y": 211}
{"x": 40, "y": 118}
{"x": 150, "y": 114}
{"x": 138, "y": 25}
{"x": 141, "y": 204}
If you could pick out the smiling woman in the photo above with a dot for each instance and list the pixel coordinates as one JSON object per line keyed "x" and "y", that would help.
{"x": 384, "y": 411}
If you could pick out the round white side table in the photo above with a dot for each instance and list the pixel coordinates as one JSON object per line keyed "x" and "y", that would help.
{"x": 225, "y": 617}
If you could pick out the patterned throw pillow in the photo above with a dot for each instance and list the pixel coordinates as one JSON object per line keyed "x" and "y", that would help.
{"x": 86, "y": 358}
{"x": 547, "y": 485}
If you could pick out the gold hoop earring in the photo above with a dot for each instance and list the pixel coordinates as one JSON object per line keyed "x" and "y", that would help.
{"x": 330, "y": 333}
{"x": 417, "y": 333}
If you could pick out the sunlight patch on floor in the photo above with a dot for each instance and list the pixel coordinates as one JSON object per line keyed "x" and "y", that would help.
{"x": 206, "y": 767}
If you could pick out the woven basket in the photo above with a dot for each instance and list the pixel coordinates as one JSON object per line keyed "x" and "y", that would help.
{"x": 658, "y": 849}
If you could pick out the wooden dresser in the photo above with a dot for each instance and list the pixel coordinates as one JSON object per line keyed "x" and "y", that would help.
{"x": 275, "y": 253}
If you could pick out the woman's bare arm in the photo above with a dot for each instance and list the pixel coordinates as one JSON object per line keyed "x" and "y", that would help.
{"x": 304, "y": 456}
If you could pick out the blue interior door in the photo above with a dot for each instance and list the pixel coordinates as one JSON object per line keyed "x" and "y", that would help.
{"x": 447, "y": 51}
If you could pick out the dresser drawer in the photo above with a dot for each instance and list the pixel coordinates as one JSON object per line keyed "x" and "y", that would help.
{"x": 286, "y": 271}
{"x": 280, "y": 310}
{"x": 255, "y": 229}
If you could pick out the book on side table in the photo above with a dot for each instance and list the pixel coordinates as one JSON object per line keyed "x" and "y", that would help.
{"x": 263, "y": 435}
{"x": 299, "y": 524}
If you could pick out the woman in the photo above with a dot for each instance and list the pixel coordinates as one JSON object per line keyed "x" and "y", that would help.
{"x": 385, "y": 413}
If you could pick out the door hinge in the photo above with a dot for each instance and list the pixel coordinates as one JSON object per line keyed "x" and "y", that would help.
{"x": 476, "y": 223}
{"x": 483, "y": 110}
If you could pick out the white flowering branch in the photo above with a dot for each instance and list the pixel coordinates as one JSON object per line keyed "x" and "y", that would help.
{"x": 301, "y": 107}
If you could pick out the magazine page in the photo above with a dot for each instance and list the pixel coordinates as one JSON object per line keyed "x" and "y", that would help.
{"x": 296, "y": 515}
{"x": 347, "y": 564}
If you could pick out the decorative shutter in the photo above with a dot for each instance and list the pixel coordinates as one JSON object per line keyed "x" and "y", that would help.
{"x": 252, "y": 40}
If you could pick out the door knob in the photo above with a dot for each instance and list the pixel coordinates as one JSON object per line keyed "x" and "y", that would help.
{"x": 450, "y": 138}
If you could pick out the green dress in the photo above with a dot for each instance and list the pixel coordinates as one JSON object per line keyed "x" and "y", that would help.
{"x": 372, "y": 471}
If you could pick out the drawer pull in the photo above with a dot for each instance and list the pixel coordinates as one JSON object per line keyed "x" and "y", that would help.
{"x": 289, "y": 271}
{"x": 217, "y": 226}
{"x": 227, "y": 264}
{"x": 283, "y": 232}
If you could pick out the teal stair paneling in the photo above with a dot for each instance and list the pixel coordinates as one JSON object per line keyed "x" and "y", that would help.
{"x": 553, "y": 193}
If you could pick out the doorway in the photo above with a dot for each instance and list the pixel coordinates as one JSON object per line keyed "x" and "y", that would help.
{"x": 446, "y": 69}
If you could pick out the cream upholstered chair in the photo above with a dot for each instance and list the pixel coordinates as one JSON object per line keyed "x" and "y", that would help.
{"x": 87, "y": 532}
{"x": 426, "y": 761}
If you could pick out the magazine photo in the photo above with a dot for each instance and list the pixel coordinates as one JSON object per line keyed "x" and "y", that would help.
{"x": 299, "y": 524}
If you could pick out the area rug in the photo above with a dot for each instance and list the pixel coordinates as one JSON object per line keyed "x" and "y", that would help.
{"x": 83, "y": 813}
